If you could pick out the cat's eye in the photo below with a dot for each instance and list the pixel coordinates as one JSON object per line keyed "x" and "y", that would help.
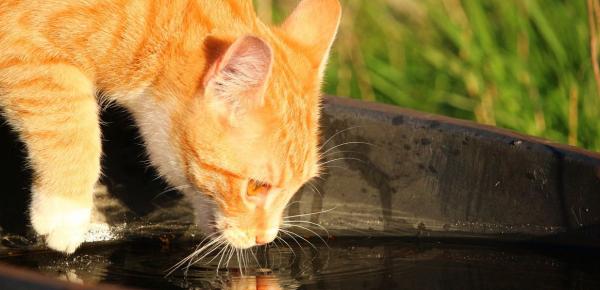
{"x": 256, "y": 187}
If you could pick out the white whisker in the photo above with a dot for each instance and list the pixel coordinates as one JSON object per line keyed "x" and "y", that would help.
{"x": 226, "y": 249}
{"x": 347, "y": 143}
{"x": 243, "y": 255}
{"x": 337, "y": 133}
{"x": 293, "y": 238}
{"x": 237, "y": 255}
{"x": 246, "y": 261}
{"x": 307, "y": 229}
{"x": 341, "y": 158}
{"x": 193, "y": 260}
{"x": 299, "y": 236}
{"x": 340, "y": 152}
{"x": 187, "y": 258}
{"x": 278, "y": 259}
{"x": 231, "y": 252}
{"x": 315, "y": 189}
{"x": 218, "y": 253}
{"x": 213, "y": 248}
{"x": 289, "y": 222}
{"x": 288, "y": 245}
{"x": 319, "y": 177}
{"x": 334, "y": 166}
{"x": 289, "y": 204}
{"x": 307, "y": 214}
{"x": 255, "y": 258}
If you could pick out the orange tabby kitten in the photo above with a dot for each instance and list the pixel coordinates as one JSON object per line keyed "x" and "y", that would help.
{"x": 228, "y": 106}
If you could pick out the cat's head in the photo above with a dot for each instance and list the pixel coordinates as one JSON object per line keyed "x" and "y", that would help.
{"x": 251, "y": 140}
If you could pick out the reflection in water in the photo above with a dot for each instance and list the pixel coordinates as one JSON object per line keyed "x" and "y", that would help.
{"x": 260, "y": 282}
{"x": 346, "y": 264}
{"x": 254, "y": 283}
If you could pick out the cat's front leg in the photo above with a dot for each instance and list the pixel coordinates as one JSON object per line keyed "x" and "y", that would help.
{"x": 56, "y": 115}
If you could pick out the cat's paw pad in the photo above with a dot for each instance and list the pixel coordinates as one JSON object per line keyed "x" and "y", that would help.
{"x": 63, "y": 222}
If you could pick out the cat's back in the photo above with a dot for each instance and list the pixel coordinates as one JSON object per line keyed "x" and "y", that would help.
{"x": 56, "y": 18}
{"x": 32, "y": 14}
{"x": 51, "y": 24}
{"x": 114, "y": 41}
{"x": 80, "y": 19}
{"x": 95, "y": 34}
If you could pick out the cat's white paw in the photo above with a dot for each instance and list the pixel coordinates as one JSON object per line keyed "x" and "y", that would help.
{"x": 63, "y": 222}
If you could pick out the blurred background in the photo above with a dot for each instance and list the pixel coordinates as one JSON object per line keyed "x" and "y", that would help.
{"x": 524, "y": 65}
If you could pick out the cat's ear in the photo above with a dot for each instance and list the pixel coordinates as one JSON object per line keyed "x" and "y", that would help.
{"x": 237, "y": 81}
{"x": 314, "y": 24}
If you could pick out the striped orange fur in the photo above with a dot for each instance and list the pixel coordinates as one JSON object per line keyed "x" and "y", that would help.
{"x": 224, "y": 102}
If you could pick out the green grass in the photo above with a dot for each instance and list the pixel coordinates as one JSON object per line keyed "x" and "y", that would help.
{"x": 518, "y": 64}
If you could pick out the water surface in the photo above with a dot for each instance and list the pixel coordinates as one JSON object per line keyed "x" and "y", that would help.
{"x": 349, "y": 263}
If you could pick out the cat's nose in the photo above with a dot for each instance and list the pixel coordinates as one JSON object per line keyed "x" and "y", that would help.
{"x": 266, "y": 236}
{"x": 261, "y": 240}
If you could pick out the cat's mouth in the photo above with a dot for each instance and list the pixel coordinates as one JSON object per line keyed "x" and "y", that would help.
{"x": 238, "y": 239}
{"x": 246, "y": 230}
{"x": 244, "y": 238}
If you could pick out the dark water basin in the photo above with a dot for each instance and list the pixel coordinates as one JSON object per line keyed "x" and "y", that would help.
{"x": 346, "y": 263}
{"x": 508, "y": 211}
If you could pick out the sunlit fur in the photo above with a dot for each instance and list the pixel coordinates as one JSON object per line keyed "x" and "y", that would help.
{"x": 167, "y": 63}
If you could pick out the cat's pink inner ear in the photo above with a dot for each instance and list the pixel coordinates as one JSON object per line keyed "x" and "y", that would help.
{"x": 314, "y": 24}
{"x": 238, "y": 79}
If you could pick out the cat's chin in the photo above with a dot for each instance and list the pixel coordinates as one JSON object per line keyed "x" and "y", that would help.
{"x": 238, "y": 239}
{"x": 241, "y": 240}
{"x": 208, "y": 219}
